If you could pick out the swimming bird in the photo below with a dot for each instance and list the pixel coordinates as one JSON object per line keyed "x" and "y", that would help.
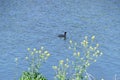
{"x": 62, "y": 35}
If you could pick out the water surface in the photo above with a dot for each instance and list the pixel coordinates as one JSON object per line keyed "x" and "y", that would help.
{"x": 36, "y": 23}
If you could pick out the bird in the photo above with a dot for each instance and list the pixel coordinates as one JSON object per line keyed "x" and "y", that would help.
{"x": 63, "y": 35}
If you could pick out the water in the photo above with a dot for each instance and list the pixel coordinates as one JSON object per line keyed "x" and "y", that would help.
{"x": 36, "y": 23}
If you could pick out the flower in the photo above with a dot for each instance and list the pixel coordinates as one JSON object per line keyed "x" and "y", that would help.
{"x": 16, "y": 59}
{"x": 70, "y": 41}
{"x": 101, "y": 53}
{"x": 91, "y": 48}
{"x": 34, "y": 49}
{"x": 94, "y": 60}
{"x": 48, "y": 54}
{"x": 67, "y": 59}
{"x": 66, "y": 65}
{"x": 32, "y": 53}
{"x": 78, "y": 54}
{"x": 39, "y": 51}
{"x": 28, "y": 49}
{"x": 26, "y": 58}
{"x": 93, "y": 37}
{"x": 98, "y": 51}
{"x": 74, "y": 54}
{"x": 42, "y": 47}
{"x": 84, "y": 43}
{"x": 102, "y": 79}
{"x": 97, "y": 45}
{"x": 87, "y": 64}
{"x": 61, "y": 61}
{"x": 69, "y": 47}
{"x": 54, "y": 67}
{"x": 95, "y": 48}
{"x": 45, "y": 52}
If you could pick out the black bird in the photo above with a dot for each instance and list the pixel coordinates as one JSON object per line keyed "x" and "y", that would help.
{"x": 62, "y": 35}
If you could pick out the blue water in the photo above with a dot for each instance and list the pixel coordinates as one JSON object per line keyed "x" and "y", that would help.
{"x": 36, "y": 23}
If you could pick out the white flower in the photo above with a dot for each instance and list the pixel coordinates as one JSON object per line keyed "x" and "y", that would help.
{"x": 26, "y": 58}
{"x": 34, "y": 49}
{"x": 70, "y": 41}
{"x": 28, "y": 49}
{"x": 54, "y": 67}
{"x": 93, "y": 37}
{"x": 61, "y": 61}
{"x": 42, "y": 47}
{"x": 16, "y": 59}
{"x": 78, "y": 54}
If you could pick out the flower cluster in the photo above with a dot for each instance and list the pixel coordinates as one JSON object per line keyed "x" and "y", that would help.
{"x": 84, "y": 54}
{"x": 61, "y": 70}
{"x": 36, "y": 58}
